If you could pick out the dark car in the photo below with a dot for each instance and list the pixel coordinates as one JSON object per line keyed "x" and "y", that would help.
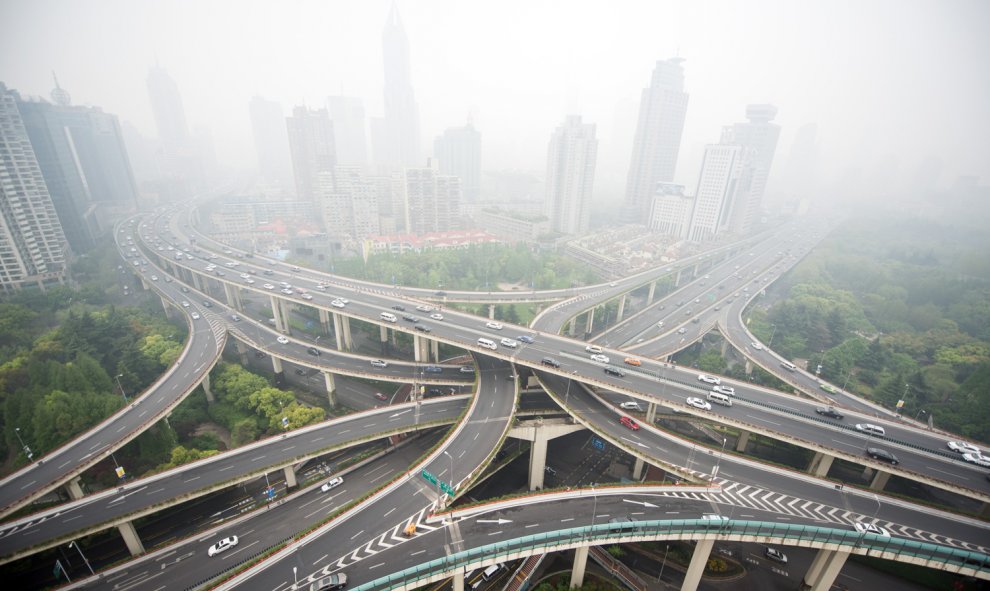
{"x": 614, "y": 371}
{"x": 551, "y": 362}
{"x": 410, "y": 318}
{"x": 881, "y": 454}
{"x": 830, "y": 412}
{"x": 525, "y": 339}
{"x": 399, "y": 308}
{"x": 433, "y": 369}
{"x": 313, "y": 351}
{"x": 421, "y": 327}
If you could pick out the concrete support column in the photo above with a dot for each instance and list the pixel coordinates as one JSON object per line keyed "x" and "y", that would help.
{"x": 435, "y": 350}
{"x": 830, "y": 571}
{"x": 242, "y": 351}
{"x": 570, "y": 326}
{"x": 677, "y": 278}
{"x": 638, "y": 469}
{"x": 345, "y": 323}
{"x": 694, "y": 272}
{"x": 652, "y": 292}
{"x": 290, "y": 477}
{"x": 725, "y": 347}
{"x": 749, "y": 367}
{"x": 880, "y": 480}
{"x": 820, "y": 464}
{"x": 491, "y": 311}
{"x": 197, "y": 281}
{"x": 166, "y": 306}
{"x": 325, "y": 321}
{"x": 277, "y": 368}
{"x": 537, "y": 459}
{"x": 229, "y": 296}
{"x": 419, "y": 349}
{"x": 331, "y": 388}
{"x": 622, "y": 309}
{"x": 127, "y": 531}
{"x": 458, "y": 581}
{"x": 742, "y": 441}
{"x": 817, "y": 565}
{"x": 206, "y": 388}
{"x": 651, "y": 412}
{"x": 580, "y": 563}
{"x": 702, "y": 550}
{"x": 280, "y": 321}
{"x": 590, "y": 322}
{"x": 383, "y": 336}
{"x": 338, "y": 332}
{"x": 74, "y": 488}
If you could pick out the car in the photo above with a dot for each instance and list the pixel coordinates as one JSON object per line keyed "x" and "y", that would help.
{"x": 327, "y": 583}
{"x": 422, "y": 328}
{"x": 313, "y": 351}
{"x": 433, "y": 369}
{"x": 628, "y": 422}
{"x": 614, "y": 371}
{"x": 549, "y": 470}
{"x": 399, "y": 308}
{"x": 235, "y": 317}
{"x": 332, "y": 483}
{"x": 869, "y": 528}
{"x": 714, "y": 520}
{"x": 288, "y": 291}
{"x": 185, "y": 304}
{"x": 207, "y": 304}
{"x": 381, "y": 396}
{"x": 830, "y": 412}
{"x": 154, "y": 277}
{"x": 550, "y": 362}
{"x": 507, "y": 342}
{"x": 222, "y": 546}
{"x": 724, "y": 390}
{"x": 881, "y": 454}
{"x": 195, "y": 316}
{"x": 963, "y": 447}
{"x": 410, "y": 318}
{"x": 337, "y": 304}
{"x": 699, "y": 403}
{"x": 268, "y": 286}
{"x": 321, "y": 286}
{"x": 306, "y": 296}
{"x": 630, "y": 405}
{"x": 436, "y": 316}
{"x": 709, "y": 379}
{"x": 681, "y": 330}
{"x": 871, "y": 429}
{"x": 775, "y": 555}
{"x": 283, "y": 340}
{"x": 494, "y": 325}
{"x": 380, "y": 363}
{"x": 599, "y": 358}
{"x": 525, "y": 339}
{"x": 466, "y": 369}
{"x": 632, "y": 361}
{"x": 249, "y": 281}
{"x": 660, "y": 324}
{"x": 423, "y": 308}
{"x": 302, "y": 372}
{"x": 977, "y": 459}
{"x": 184, "y": 289}
{"x": 245, "y": 276}
{"x": 756, "y": 346}
{"x": 612, "y": 284}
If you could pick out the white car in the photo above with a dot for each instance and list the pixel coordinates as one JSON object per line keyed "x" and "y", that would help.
{"x": 195, "y": 316}
{"x": 869, "y": 528}
{"x": 332, "y": 483}
{"x": 423, "y": 308}
{"x": 436, "y": 316}
{"x": 756, "y": 346}
{"x": 249, "y": 281}
{"x": 306, "y": 296}
{"x": 963, "y": 447}
{"x": 245, "y": 276}
{"x": 185, "y": 304}
{"x": 507, "y": 342}
{"x": 775, "y": 554}
{"x": 630, "y": 405}
{"x": 268, "y": 286}
{"x": 977, "y": 459}
{"x": 379, "y": 363}
{"x": 724, "y": 390}
{"x": 709, "y": 379}
{"x": 288, "y": 291}
{"x": 283, "y": 340}
{"x": 494, "y": 325}
{"x": 222, "y": 546}
{"x": 871, "y": 429}
{"x": 154, "y": 277}
{"x": 699, "y": 403}
{"x": 337, "y": 304}
{"x": 599, "y": 358}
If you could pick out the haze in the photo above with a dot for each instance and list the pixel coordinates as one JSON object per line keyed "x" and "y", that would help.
{"x": 888, "y": 83}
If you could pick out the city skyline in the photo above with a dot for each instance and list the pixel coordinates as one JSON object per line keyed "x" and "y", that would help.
{"x": 858, "y": 81}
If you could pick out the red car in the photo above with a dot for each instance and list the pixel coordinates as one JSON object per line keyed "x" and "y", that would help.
{"x": 381, "y": 396}
{"x": 629, "y": 423}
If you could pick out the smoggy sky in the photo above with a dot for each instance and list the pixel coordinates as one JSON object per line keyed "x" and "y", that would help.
{"x": 883, "y": 79}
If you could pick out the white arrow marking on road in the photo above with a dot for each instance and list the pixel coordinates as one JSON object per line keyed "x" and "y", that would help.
{"x": 498, "y": 521}
{"x": 177, "y": 560}
{"x": 400, "y": 413}
{"x": 643, "y": 445}
{"x": 643, "y": 503}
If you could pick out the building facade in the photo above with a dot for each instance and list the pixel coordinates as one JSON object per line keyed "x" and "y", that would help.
{"x": 723, "y": 184}
{"x": 571, "y": 158}
{"x": 670, "y": 213}
{"x": 271, "y": 143}
{"x": 397, "y": 142}
{"x": 759, "y": 135}
{"x": 432, "y": 201}
{"x": 458, "y": 152}
{"x": 311, "y": 146}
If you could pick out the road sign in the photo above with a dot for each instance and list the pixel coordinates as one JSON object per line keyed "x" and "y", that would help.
{"x": 598, "y": 444}
{"x": 120, "y": 472}
{"x": 446, "y": 488}
{"x": 429, "y": 477}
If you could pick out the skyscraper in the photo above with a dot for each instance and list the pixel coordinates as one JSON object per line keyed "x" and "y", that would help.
{"x": 349, "y": 131}
{"x": 432, "y": 201}
{"x": 458, "y": 151}
{"x": 312, "y": 148}
{"x": 399, "y": 144}
{"x": 724, "y": 178}
{"x": 31, "y": 238}
{"x": 662, "y": 109}
{"x": 271, "y": 141}
{"x": 760, "y": 136}
{"x": 348, "y": 202}
{"x": 170, "y": 115}
{"x": 570, "y": 175}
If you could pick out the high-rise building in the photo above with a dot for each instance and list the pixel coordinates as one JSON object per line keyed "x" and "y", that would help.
{"x": 671, "y": 210}
{"x": 348, "y": 201}
{"x": 760, "y": 136}
{"x": 662, "y": 109}
{"x": 271, "y": 142}
{"x": 458, "y": 151}
{"x": 31, "y": 238}
{"x": 399, "y": 145}
{"x": 349, "y": 131}
{"x": 170, "y": 115}
{"x": 570, "y": 175}
{"x": 432, "y": 201}
{"x": 312, "y": 148}
{"x": 724, "y": 178}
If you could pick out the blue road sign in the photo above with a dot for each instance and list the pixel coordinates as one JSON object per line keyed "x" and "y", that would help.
{"x": 598, "y": 444}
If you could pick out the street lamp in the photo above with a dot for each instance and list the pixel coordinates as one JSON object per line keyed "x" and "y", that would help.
{"x": 718, "y": 463}
{"x": 295, "y": 579}
{"x": 664, "y": 563}
{"x": 772, "y": 332}
{"x": 27, "y": 450}
{"x": 920, "y": 412}
{"x": 122, "y": 393}
{"x": 78, "y": 549}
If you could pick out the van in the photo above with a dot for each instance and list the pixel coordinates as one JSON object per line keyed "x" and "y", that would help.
{"x": 788, "y": 365}
{"x": 491, "y": 571}
{"x": 487, "y": 343}
{"x": 871, "y": 429}
{"x": 593, "y": 349}
{"x": 719, "y": 398}
{"x": 388, "y": 317}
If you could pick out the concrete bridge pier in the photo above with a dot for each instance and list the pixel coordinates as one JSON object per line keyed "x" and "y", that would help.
{"x": 383, "y": 337}
{"x": 491, "y": 311}
{"x": 279, "y": 313}
{"x": 742, "y": 441}
{"x": 206, "y": 388}
{"x": 571, "y": 325}
{"x": 338, "y": 332}
{"x": 331, "y": 388}
{"x": 651, "y": 413}
{"x": 590, "y": 322}
{"x": 233, "y": 297}
{"x": 74, "y": 488}
{"x": 580, "y": 563}
{"x": 197, "y": 281}
{"x": 820, "y": 464}
{"x": 622, "y": 309}
{"x": 879, "y": 480}
{"x": 290, "y": 477}
{"x": 420, "y": 349}
{"x": 435, "y": 350}
{"x": 677, "y": 278}
{"x": 345, "y": 323}
{"x": 277, "y": 368}
{"x": 458, "y": 580}
{"x": 539, "y": 432}
{"x": 824, "y": 569}
{"x": 131, "y": 539}
{"x": 325, "y": 321}
{"x": 638, "y": 469}
{"x": 702, "y": 550}
{"x": 652, "y": 292}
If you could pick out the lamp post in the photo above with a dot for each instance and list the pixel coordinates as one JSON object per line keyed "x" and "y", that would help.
{"x": 446, "y": 453}
{"x": 772, "y": 332}
{"x": 718, "y": 463}
{"x": 122, "y": 393}
{"x": 295, "y": 579}
{"x": 664, "y": 563}
{"x": 78, "y": 549}
{"x": 920, "y": 412}
{"x": 27, "y": 450}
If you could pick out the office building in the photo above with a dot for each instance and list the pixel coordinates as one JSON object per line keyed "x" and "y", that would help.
{"x": 397, "y": 140}
{"x": 724, "y": 180}
{"x": 348, "y": 204}
{"x": 759, "y": 135}
{"x": 311, "y": 147}
{"x": 458, "y": 152}
{"x": 349, "y": 130}
{"x": 180, "y": 166}
{"x": 271, "y": 142}
{"x": 662, "y": 110}
{"x": 670, "y": 213}
{"x": 570, "y": 175}
{"x": 432, "y": 201}
{"x": 31, "y": 239}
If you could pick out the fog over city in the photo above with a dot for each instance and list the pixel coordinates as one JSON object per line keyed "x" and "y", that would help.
{"x": 888, "y": 83}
